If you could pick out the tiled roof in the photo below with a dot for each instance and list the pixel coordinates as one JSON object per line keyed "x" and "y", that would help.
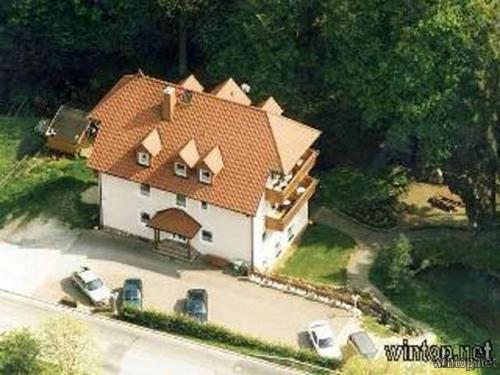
{"x": 174, "y": 220}
{"x": 152, "y": 143}
{"x": 230, "y": 90}
{"x": 245, "y": 136}
{"x": 290, "y": 136}
{"x": 214, "y": 160}
{"x": 271, "y": 105}
{"x": 191, "y": 83}
{"x": 189, "y": 153}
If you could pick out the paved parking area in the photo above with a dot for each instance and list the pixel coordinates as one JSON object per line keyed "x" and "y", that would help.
{"x": 38, "y": 259}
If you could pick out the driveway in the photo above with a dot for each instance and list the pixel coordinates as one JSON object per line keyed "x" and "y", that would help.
{"x": 37, "y": 259}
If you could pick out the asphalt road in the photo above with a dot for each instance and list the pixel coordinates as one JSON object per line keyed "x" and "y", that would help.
{"x": 131, "y": 350}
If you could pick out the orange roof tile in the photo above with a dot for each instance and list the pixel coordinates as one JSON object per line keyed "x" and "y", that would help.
{"x": 152, "y": 143}
{"x": 214, "y": 160}
{"x": 251, "y": 143}
{"x": 174, "y": 220}
{"x": 190, "y": 154}
{"x": 291, "y": 137}
{"x": 271, "y": 105}
{"x": 191, "y": 83}
{"x": 230, "y": 90}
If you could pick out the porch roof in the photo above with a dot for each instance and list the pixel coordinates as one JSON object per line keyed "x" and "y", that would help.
{"x": 174, "y": 220}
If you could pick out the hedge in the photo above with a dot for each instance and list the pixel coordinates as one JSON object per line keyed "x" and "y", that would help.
{"x": 185, "y": 326}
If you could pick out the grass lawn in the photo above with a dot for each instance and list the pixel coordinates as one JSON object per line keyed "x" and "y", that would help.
{"x": 321, "y": 256}
{"x": 42, "y": 186}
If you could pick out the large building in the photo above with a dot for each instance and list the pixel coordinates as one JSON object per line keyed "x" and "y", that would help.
{"x": 200, "y": 171}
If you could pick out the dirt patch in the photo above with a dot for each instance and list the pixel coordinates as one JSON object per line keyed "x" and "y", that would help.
{"x": 419, "y": 211}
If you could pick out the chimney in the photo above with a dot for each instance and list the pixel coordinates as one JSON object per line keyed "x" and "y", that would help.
{"x": 168, "y": 103}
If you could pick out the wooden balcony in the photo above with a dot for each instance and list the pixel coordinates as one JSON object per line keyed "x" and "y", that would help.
{"x": 278, "y": 219}
{"x": 280, "y": 190}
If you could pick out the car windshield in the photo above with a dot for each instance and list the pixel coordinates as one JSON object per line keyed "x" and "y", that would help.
{"x": 198, "y": 307}
{"x": 325, "y": 343}
{"x": 94, "y": 284}
{"x": 132, "y": 295}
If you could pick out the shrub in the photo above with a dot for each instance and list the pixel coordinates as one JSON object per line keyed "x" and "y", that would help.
{"x": 184, "y": 326}
{"x": 19, "y": 353}
{"x": 369, "y": 198}
{"x": 395, "y": 260}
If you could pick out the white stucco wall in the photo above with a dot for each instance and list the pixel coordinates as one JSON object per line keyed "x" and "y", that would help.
{"x": 122, "y": 204}
{"x": 276, "y": 243}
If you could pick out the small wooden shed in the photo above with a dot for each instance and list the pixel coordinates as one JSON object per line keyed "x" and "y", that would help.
{"x": 67, "y": 131}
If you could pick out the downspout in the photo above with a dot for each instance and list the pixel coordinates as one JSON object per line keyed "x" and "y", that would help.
{"x": 251, "y": 244}
{"x": 99, "y": 182}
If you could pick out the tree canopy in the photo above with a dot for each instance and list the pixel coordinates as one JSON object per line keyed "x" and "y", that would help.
{"x": 418, "y": 76}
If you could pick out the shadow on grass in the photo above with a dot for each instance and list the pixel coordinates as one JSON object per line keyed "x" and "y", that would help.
{"x": 59, "y": 198}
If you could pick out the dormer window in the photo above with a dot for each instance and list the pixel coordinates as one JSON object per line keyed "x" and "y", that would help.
{"x": 205, "y": 176}
{"x": 143, "y": 158}
{"x": 180, "y": 169}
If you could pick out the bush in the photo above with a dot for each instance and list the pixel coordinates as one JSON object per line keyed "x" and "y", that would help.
{"x": 184, "y": 326}
{"x": 371, "y": 199}
{"x": 19, "y": 353}
{"x": 395, "y": 259}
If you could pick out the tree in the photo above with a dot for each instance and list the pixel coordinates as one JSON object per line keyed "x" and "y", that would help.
{"x": 184, "y": 13}
{"x": 67, "y": 344}
{"x": 19, "y": 353}
{"x": 396, "y": 258}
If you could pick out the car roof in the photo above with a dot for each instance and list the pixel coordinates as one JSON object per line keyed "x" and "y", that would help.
{"x": 322, "y": 329}
{"x": 87, "y": 275}
{"x": 363, "y": 342}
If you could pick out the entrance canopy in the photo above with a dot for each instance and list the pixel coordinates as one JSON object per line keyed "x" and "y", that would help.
{"x": 174, "y": 220}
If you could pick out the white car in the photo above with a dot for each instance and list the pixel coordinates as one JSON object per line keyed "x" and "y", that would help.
{"x": 321, "y": 337}
{"x": 91, "y": 285}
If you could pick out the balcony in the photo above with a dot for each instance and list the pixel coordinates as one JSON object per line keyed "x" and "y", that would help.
{"x": 280, "y": 217}
{"x": 280, "y": 188}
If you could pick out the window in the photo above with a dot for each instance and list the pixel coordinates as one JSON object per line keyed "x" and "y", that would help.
{"x": 206, "y": 236}
{"x": 145, "y": 190}
{"x": 180, "y": 169}
{"x": 290, "y": 233}
{"x": 205, "y": 176}
{"x": 204, "y": 205}
{"x": 264, "y": 236}
{"x": 145, "y": 218}
{"x": 181, "y": 200}
{"x": 143, "y": 158}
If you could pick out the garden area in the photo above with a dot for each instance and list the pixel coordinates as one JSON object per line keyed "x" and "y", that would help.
{"x": 321, "y": 256}
{"x": 449, "y": 283}
{"x": 36, "y": 184}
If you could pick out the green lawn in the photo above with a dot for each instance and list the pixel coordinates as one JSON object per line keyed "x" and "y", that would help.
{"x": 42, "y": 186}
{"x": 321, "y": 256}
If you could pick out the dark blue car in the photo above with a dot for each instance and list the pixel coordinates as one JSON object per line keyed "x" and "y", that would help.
{"x": 197, "y": 304}
{"x": 132, "y": 293}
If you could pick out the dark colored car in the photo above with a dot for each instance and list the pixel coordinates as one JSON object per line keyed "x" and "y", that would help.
{"x": 132, "y": 293}
{"x": 197, "y": 304}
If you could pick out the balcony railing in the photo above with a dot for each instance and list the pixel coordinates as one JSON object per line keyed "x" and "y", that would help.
{"x": 281, "y": 216}
{"x": 279, "y": 189}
